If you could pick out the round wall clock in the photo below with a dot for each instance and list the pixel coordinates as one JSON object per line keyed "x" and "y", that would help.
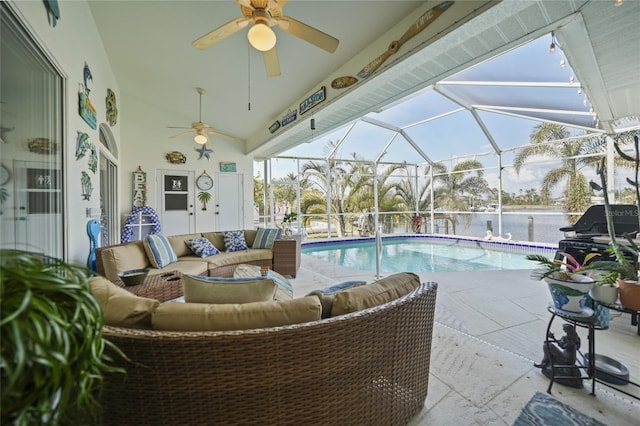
{"x": 4, "y": 175}
{"x": 204, "y": 182}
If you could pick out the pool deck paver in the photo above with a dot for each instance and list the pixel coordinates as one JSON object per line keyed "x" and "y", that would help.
{"x": 488, "y": 332}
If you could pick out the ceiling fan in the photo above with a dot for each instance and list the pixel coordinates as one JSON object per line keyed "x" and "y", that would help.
{"x": 264, "y": 14}
{"x": 201, "y": 129}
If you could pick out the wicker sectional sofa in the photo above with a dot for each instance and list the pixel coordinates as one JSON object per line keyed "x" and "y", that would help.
{"x": 112, "y": 260}
{"x": 367, "y": 363}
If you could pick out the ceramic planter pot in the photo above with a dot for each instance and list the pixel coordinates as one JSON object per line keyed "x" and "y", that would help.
{"x": 630, "y": 294}
{"x": 569, "y": 295}
{"x": 607, "y": 294}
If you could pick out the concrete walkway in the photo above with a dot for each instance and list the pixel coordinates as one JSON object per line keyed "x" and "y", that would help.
{"x": 489, "y": 331}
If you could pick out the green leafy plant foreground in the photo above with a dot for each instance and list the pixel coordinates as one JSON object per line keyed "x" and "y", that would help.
{"x": 53, "y": 351}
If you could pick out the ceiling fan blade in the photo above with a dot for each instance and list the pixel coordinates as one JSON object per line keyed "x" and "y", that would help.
{"x": 245, "y": 3}
{"x": 221, "y": 32}
{"x": 181, "y": 133}
{"x": 214, "y": 132}
{"x": 271, "y": 62}
{"x": 309, "y": 34}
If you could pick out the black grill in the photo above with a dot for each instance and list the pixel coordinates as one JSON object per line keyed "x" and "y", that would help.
{"x": 593, "y": 223}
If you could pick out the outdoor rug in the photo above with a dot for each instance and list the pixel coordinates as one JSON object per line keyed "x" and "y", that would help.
{"x": 544, "y": 410}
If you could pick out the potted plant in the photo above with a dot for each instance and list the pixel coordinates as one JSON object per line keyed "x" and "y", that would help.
{"x": 53, "y": 351}
{"x": 567, "y": 284}
{"x": 288, "y": 219}
{"x": 624, "y": 271}
{"x": 204, "y": 197}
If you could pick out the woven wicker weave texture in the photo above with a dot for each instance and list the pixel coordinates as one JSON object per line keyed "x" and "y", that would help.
{"x": 366, "y": 368}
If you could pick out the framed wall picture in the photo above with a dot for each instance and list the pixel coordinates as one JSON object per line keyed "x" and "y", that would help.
{"x": 227, "y": 167}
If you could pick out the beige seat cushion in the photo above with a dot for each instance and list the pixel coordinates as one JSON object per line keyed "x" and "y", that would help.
{"x": 122, "y": 308}
{"x": 199, "y": 289}
{"x": 194, "y": 267}
{"x": 374, "y": 294}
{"x": 177, "y": 316}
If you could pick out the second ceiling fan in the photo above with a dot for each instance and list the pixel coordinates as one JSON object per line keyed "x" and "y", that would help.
{"x": 262, "y": 15}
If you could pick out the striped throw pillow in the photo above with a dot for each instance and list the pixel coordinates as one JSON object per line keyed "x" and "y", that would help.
{"x": 265, "y": 238}
{"x": 159, "y": 250}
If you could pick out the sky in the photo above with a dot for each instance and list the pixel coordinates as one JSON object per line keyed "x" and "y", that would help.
{"x": 444, "y": 130}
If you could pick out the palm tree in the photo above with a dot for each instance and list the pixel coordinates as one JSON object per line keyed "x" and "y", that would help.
{"x": 341, "y": 181}
{"x": 576, "y": 189}
{"x": 466, "y": 177}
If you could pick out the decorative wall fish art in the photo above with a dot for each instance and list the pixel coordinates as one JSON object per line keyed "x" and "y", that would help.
{"x": 85, "y": 108}
{"x": 53, "y": 11}
{"x": 93, "y": 159}
{"x": 176, "y": 157}
{"x": 343, "y": 82}
{"x": 82, "y": 144}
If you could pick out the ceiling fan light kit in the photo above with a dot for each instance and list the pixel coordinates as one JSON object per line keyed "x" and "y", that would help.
{"x": 200, "y": 139}
{"x": 261, "y": 36}
{"x": 262, "y": 15}
{"x": 202, "y": 130}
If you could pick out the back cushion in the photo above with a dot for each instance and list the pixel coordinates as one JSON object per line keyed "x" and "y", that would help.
{"x": 123, "y": 258}
{"x": 327, "y": 295}
{"x": 216, "y": 238}
{"x": 265, "y": 237}
{"x": 201, "y": 247}
{"x": 234, "y": 241}
{"x": 122, "y": 308}
{"x": 250, "y": 236}
{"x": 208, "y": 317}
{"x": 159, "y": 250}
{"x": 382, "y": 291}
{"x": 199, "y": 289}
{"x": 178, "y": 243}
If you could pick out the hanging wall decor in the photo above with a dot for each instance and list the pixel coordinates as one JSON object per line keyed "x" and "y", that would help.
{"x": 93, "y": 159}
{"x": 275, "y": 126}
{"x": 289, "y": 118}
{"x": 343, "y": 82}
{"x": 42, "y": 146}
{"x": 139, "y": 188}
{"x": 85, "y": 108}
{"x": 313, "y": 100}
{"x": 176, "y": 157}
{"x": 82, "y": 144}
{"x": 53, "y": 11}
{"x": 204, "y": 152}
{"x": 227, "y": 167}
{"x": 87, "y": 187}
{"x": 112, "y": 109}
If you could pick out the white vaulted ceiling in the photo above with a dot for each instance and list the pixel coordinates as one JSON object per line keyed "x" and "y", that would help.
{"x": 149, "y": 46}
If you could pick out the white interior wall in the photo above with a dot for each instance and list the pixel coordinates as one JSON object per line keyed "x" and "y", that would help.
{"x": 74, "y": 41}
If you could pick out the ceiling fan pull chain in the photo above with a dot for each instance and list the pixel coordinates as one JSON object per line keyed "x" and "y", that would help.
{"x": 249, "y": 76}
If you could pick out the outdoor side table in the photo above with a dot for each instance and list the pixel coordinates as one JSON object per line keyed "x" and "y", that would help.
{"x": 162, "y": 287}
{"x": 578, "y": 320}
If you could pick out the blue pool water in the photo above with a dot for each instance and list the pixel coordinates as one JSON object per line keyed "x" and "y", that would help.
{"x": 427, "y": 254}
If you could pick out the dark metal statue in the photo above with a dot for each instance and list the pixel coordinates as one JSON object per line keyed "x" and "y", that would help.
{"x": 563, "y": 353}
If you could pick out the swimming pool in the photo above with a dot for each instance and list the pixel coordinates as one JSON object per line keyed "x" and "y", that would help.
{"x": 427, "y": 254}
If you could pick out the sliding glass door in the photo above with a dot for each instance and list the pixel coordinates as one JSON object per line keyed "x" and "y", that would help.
{"x": 31, "y": 143}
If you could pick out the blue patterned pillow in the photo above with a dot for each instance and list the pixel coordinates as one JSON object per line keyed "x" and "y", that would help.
{"x": 159, "y": 250}
{"x": 265, "y": 238}
{"x": 234, "y": 241}
{"x": 202, "y": 247}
